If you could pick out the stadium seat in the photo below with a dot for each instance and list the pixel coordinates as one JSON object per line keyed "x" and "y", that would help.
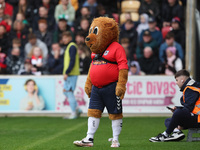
{"x": 130, "y": 6}
{"x": 134, "y": 17}
{"x": 190, "y": 132}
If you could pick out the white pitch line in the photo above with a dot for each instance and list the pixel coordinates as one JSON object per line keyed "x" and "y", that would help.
{"x": 41, "y": 141}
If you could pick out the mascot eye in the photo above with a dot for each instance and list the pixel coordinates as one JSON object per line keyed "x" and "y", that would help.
{"x": 95, "y": 30}
{"x": 90, "y": 30}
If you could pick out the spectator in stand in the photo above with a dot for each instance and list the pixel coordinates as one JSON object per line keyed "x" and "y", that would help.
{"x": 16, "y": 43}
{"x": 171, "y": 9}
{"x": 65, "y": 8}
{"x": 19, "y": 31}
{"x": 21, "y": 17}
{"x": 155, "y": 33}
{"x": 134, "y": 69}
{"x": 50, "y": 6}
{"x": 2, "y": 63}
{"x": 149, "y": 63}
{"x": 144, "y": 18}
{"x": 92, "y": 5}
{"x": 179, "y": 32}
{"x": 84, "y": 27}
{"x": 84, "y": 59}
{"x": 43, "y": 34}
{"x": 37, "y": 61}
{"x": 43, "y": 14}
{"x": 2, "y": 13}
{"x": 8, "y": 9}
{"x": 6, "y": 23}
{"x": 84, "y": 13}
{"x": 62, "y": 27}
{"x": 4, "y": 43}
{"x": 170, "y": 41}
{"x": 172, "y": 63}
{"x": 55, "y": 59}
{"x": 130, "y": 55}
{"x": 32, "y": 42}
{"x": 27, "y": 68}
{"x": 128, "y": 30}
{"x": 150, "y": 7}
{"x": 111, "y": 5}
{"x": 80, "y": 38}
{"x": 147, "y": 41}
{"x": 24, "y": 8}
{"x": 14, "y": 62}
{"x": 102, "y": 12}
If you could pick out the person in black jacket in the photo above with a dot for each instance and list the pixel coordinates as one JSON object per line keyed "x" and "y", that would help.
{"x": 43, "y": 34}
{"x": 128, "y": 30}
{"x": 149, "y": 7}
{"x": 171, "y": 9}
{"x": 183, "y": 117}
{"x": 149, "y": 63}
{"x": 179, "y": 32}
{"x": 55, "y": 60}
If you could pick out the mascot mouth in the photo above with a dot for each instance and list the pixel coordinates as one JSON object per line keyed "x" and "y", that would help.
{"x": 91, "y": 45}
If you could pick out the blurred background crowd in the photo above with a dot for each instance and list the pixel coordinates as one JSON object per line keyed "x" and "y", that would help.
{"x": 152, "y": 33}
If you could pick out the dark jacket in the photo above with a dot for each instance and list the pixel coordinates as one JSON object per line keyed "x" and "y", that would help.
{"x": 169, "y": 12}
{"x": 149, "y": 65}
{"x": 153, "y": 6}
{"x": 55, "y": 66}
{"x": 47, "y": 38}
{"x": 4, "y": 44}
{"x": 190, "y": 96}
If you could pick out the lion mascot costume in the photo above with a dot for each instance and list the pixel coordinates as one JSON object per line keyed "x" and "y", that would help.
{"x": 106, "y": 80}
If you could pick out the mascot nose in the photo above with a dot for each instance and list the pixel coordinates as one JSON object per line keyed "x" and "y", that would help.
{"x": 87, "y": 38}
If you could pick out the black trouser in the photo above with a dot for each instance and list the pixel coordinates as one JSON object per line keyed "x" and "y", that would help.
{"x": 181, "y": 117}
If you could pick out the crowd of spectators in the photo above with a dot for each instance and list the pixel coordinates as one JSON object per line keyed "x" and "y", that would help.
{"x": 31, "y": 43}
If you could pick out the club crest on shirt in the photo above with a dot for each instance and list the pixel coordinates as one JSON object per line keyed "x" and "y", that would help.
{"x": 106, "y": 52}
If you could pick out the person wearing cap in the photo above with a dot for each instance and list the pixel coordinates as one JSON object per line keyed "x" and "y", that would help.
{"x": 147, "y": 41}
{"x": 172, "y": 62}
{"x": 155, "y": 33}
{"x": 179, "y": 32}
{"x": 67, "y": 9}
{"x": 170, "y": 41}
{"x": 61, "y": 27}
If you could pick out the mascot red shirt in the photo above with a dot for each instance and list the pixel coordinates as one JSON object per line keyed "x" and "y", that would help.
{"x": 103, "y": 73}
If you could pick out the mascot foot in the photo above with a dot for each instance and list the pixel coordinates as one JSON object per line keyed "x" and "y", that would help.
{"x": 84, "y": 142}
{"x": 115, "y": 143}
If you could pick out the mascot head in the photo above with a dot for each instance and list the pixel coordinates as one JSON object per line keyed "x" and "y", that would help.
{"x": 103, "y": 31}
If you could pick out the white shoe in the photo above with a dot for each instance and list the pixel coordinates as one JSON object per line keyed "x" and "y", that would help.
{"x": 115, "y": 143}
{"x": 72, "y": 116}
{"x": 84, "y": 142}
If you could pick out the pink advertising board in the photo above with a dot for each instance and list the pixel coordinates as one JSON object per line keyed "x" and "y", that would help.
{"x": 144, "y": 94}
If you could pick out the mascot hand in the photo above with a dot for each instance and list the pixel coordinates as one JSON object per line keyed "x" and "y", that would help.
{"x": 88, "y": 88}
{"x": 121, "y": 84}
{"x": 120, "y": 90}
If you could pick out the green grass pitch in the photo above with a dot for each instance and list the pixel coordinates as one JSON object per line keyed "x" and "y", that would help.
{"x": 55, "y": 133}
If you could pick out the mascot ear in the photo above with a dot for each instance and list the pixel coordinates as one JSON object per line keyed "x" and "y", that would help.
{"x": 109, "y": 25}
